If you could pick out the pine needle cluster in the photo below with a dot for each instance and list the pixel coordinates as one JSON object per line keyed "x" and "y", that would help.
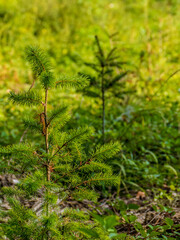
{"x": 58, "y": 169}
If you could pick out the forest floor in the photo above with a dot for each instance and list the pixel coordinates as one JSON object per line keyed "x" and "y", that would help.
{"x": 150, "y": 211}
{"x": 149, "y": 208}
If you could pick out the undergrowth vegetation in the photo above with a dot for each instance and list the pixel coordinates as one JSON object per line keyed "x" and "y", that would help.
{"x": 95, "y": 122}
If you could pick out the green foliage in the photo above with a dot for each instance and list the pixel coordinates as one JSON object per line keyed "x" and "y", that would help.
{"x": 32, "y": 124}
{"x": 19, "y": 148}
{"x": 22, "y": 220}
{"x": 105, "y": 66}
{"x": 53, "y": 171}
{"x": 39, "y": 62}
{"x": 106, "y": 151}
{"x": 25, "y": 98}
{"x": 159, "y": 232}
{"x": 57, "y": 113}
{"x": 142, "y": 98}
{"x": 65, "y": 81}
{"x": 89, "y": 232}
{"x": 47, "y": 80}
{"x": 139, "y": 47}
{"x": 106, "y": 225}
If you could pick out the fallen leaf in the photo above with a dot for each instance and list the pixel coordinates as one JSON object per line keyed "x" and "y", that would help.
{"x": 141, "y": 195}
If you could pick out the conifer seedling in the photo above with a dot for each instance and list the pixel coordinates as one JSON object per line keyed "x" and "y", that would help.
{"x": 106, "y": 78}
{"x": 55, "y": 169}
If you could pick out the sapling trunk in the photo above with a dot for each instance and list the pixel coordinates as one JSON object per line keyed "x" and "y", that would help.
{"x": 48, "y": 176}
{"x": 46, "y": 136}
{"x": 102, "y": 65}
{"x": 103, "y": 105}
